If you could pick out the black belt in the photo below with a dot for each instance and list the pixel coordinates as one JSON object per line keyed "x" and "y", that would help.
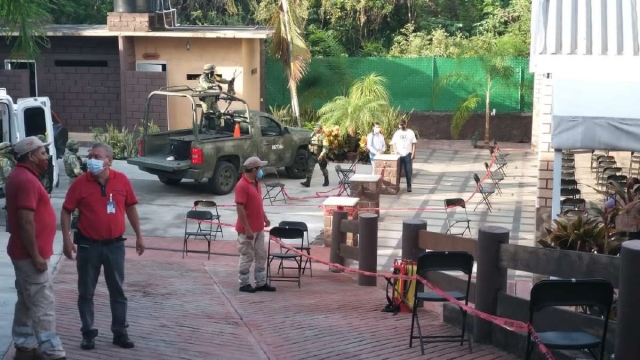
{"x": 79, "y": 237}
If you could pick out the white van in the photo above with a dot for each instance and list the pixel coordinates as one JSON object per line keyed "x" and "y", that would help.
{"x": 28, "y": 117}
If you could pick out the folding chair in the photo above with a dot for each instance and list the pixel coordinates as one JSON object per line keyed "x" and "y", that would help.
{"x": 595, "y": 157}
{"x": 273, "y": 186}
{"x": 499, "y": 161}
{"x": 568, "y": 183}
{"x": 209, "y": 204}
{"x": 302, "y": 226}
{"x": 568, "y": 155}
{"x": 634, "y": 164}
{"x": 573, "y": 204}
{"x": 441, "y": 261}
{"x": 452, "y": 219}
{"x": 495, "y": 178}
{"x": 571, "y": 192}
{"x": 484, "y": 192}
{"x": 200, "y": 217}
{"x": 606, "y": 172}
{"x": 494, "y": 144}
{"x": 572, "y": 214}
{"x": 575, "y": 292}
{"x": 343, "y": 179}
{"x": 605, "y": 162}
{"x": 285, "y": 233}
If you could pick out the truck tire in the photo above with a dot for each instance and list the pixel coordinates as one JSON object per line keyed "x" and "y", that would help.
{"x": 298, "y": 170}
{"x": 224, "y": 178}
{"x": 169, "y": 181}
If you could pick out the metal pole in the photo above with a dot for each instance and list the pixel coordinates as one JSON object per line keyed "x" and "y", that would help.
{"x": 628, "y": 327}
{"x": 490, "y": 277}
{"x": 410, "y": 234}
{"x": 367, "y": 248}
{"x": 337, "y": 237}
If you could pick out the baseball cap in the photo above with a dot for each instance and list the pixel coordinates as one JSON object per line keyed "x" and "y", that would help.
{"x": 254, "y": 162}
{"x": 27, "y": 145}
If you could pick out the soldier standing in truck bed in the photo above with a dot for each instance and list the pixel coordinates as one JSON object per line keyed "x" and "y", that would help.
{"x": 318, "y": 148}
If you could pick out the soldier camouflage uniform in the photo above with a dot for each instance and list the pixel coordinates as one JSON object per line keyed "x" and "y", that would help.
{"x": 208, "y": 81}
{"x": 318, "y": 146}
{"x": 7, "y": 163}
{"x": 47, "y": 178}
{"x": 73, "y": 167}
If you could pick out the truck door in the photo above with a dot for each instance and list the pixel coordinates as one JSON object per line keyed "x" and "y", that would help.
{"x": 7, "y": 124}
{"x": 33, "y": 119}
{"x": 275, "y": 149}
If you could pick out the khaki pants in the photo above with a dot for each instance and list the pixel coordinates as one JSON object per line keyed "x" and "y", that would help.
{"x": 252, "y": 250}
{"x": 34, "y": 321}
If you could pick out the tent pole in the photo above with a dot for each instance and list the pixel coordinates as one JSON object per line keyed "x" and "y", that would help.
{"x": 557, "y": 176}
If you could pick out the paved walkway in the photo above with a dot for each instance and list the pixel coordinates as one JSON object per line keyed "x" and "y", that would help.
{"x": 191, "y": 309}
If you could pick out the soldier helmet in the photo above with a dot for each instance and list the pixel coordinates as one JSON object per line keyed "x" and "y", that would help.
{"x": 209, "y": 68}
{"x": 73, "y": 145}
{"x": 5, "y": 147}
{"x": 318, "y": 126}
{"x": 42, "y": 138}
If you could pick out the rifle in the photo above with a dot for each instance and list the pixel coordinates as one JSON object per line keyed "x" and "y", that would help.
{"x": 231, "y": 87}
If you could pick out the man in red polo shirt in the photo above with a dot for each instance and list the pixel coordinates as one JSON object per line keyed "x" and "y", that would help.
{"x": 30, "y": 247}
{"x": 102, "y": 196}
{"x": 250, "y": 227}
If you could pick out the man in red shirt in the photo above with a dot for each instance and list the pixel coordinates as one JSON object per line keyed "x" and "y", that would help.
{"x": 250, "y": 227}
{"x": 28, "y": 204}
{"x": 102, "y": 196}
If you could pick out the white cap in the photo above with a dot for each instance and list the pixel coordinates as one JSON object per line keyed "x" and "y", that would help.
{"x": 254, "y": 162}
{"x": 27, "y": 145}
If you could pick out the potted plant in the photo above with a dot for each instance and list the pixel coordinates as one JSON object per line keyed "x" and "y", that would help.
{"x": 474, "y": 139}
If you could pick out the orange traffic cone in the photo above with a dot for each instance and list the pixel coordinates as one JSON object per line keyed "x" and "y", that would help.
{"x": 236, "y": 131}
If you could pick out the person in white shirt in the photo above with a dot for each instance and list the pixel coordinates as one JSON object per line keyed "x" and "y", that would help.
{"x": 404, "y": 144}
{"x": 375, "y": 144}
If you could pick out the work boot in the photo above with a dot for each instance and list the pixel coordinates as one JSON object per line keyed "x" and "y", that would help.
{"x": 306, "y": 183}
{"x": 88, "y": 339}
{"x": 123, "y": 341}
{"x": 24, "y": 354}
{"x": 326, "y": 181}
{"x": 266, "y": 287}
{"x": 247, "y": 288}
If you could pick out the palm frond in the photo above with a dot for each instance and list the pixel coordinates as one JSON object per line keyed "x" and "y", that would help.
{"x": 463, "y": 112}
{"x": 453, "y": 78}
{"x": 300, "y": 54}
{"x": 371, "y": 87}
{"x": 27, "y": 19}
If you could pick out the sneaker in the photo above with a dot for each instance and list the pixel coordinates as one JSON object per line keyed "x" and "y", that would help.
{"x": 123, "y": 341}
{"x": 24, "y": 354}
{"x": 247, "y": 288}
{"x": 408, "y": 189}
{"x": 266, "y": 287}
{"x": 88, "y": 340}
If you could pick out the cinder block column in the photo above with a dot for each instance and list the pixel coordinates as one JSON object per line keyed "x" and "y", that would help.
{"x": 367, "y": 189}
{"x": 388, "y": 167}
{"x": 348, "y": 204}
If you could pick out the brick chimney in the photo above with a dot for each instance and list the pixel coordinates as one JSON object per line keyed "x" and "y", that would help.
{"x": 139, "y": 15}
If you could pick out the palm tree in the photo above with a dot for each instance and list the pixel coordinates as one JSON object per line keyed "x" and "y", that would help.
{"x": 26, "y": 18}
{"x": 497, "y": 68}
{"x": 289, "y": 46}
{"x": 367, "y": 102}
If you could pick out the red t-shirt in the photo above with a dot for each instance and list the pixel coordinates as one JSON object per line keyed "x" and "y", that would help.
{"x": 249, "y": 194}
{"x": 91, "y": 199}
{"x": 25, "y": 192}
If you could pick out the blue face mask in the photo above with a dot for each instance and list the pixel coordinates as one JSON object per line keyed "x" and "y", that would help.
{"x": 95, "y": 166}
{"x": 260, "y": 174}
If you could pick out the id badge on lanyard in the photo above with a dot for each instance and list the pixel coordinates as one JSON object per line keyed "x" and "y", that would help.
{"x": 111, "y": 206}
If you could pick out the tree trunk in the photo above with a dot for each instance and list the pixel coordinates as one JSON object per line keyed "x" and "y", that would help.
{"x": 487, "y": 114}
{"x": 293, "y": 88}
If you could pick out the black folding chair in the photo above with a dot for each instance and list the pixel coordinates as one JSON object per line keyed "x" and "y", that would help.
{"x": 581, "y": 292}
{"x": 454, "y": 219}
{"x": 570, "y": 192}
{"x": 441, "y": 261}
{"x": 343, "y": 179}
{"x": 302, "y": 226}
{"x": 595, "y": 157}
{"x": 634, "y": 164}
{"x": 202, "y": 218}
{"x": 573, "y": 204}
{"x": 495, "y": 178}
{"x": 499, "y": 161}
{"x": 285, "y": 233}
{"x": 485, "y": 192}
{"x": 568, "y": 183}
{"x": 273, "y": 186}
{"x": 213, "y": 207}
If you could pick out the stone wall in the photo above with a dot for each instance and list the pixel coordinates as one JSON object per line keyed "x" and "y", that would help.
{"x": 138, "y": 85}
{"x": 16, "y": 82}
{"x": 138, "y": 21}
{"x": 504, "y": 127}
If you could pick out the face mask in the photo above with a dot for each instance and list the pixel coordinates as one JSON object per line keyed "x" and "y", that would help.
{"x": 260, "y": 174}
{"x": 376, "y": 130}
{"x": 42, "y": 165}
{"x": 95, "y": 166}
{"x": 402, "y": 127}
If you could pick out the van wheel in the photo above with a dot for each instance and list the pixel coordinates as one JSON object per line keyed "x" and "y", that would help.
{"x": 298, "y": 170}
{"x": 224, "y": 178}
{"x": 169, "y": 181}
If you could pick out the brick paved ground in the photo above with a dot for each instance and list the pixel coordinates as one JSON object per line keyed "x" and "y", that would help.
{"x": 191, "y": 309}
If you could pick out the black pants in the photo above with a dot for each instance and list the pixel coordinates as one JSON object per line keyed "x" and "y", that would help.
{"x": 91, "y": 256}
{"x": 405, "y": 163}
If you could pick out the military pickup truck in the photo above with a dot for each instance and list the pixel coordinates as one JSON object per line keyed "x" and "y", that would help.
{"x": 210, "y": 151}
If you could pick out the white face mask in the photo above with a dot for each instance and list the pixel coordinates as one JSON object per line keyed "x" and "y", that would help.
{"x": 376, "y": 130}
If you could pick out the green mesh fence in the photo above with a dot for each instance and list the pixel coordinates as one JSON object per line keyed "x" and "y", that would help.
{"x": 411, "y": 83}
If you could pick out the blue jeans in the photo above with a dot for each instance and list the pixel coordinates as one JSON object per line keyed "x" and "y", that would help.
{"x": 405, "y": 162}
{"x": 91, "y": 256}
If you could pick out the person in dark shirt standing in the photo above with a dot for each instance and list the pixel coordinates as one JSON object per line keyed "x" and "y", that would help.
{"x": 102, "y": 196}
{"x": 30, "y": 247}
